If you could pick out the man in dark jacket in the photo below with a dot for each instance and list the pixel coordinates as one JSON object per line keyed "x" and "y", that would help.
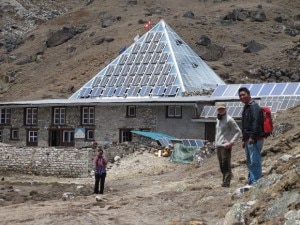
{"x": 253, "y": 135}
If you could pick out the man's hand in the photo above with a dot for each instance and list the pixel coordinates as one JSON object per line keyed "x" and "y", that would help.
{"x": 229, "y": 145}
{"x": 250, "y": 141}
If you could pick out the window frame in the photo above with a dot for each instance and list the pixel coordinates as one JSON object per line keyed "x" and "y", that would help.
{"x": 127, "y": 137}
{"x": 12, "y": 132}
{"x": 131, "y": 111}
{"x": 31, "y": 117}
{"x": 88, "y": 115}
{"x": 5, "y": 114}
{"x": 59, "y": 116}
{"x": 70, "y": 136}
{"x": 87, "y": 136}
{"x": 35, "y": 137}
{"x": 174, "y": 111}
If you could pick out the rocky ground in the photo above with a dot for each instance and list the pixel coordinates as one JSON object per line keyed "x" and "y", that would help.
{"x": 145, "y": 189}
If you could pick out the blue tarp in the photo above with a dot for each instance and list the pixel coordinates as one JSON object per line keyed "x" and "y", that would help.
{"x": 163, "y": 139}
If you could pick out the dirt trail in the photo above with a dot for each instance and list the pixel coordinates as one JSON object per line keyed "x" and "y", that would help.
{"x": 143, "y": 189}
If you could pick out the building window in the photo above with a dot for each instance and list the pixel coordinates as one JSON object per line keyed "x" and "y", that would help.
{"x": 90, "y": 134}
{"x": 174, "y": 112}
{"x": 59, "y": 116}
{"x": 31, "y": 116}
{"x": 131, "y": 111}
{"x": 68, "y": 136}
{"x": 88, "y": 115}
{"x": 32, "y": 137}
{"x": 125, "y": 135}
{"x": 4, "y": 116}
{"x": 14, "y": 134}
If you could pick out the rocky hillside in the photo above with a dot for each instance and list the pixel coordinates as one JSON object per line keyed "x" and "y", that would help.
{"x": 49, "y": 49}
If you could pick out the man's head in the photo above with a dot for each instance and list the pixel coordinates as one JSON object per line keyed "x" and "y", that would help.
{"x": 244, "y": 95}
{"x": 221, "y": 108}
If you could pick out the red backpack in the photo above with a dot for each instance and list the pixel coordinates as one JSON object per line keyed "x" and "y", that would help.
{"x": 268, "y": 123}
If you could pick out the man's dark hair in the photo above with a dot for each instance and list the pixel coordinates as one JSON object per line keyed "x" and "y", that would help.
{"x": 244, "y": 89}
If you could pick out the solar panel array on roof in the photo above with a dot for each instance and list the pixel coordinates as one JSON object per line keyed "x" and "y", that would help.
{"x": 159, "y": 58}
{"x": 277, "y": 96}
{"x": 258, "y": 90}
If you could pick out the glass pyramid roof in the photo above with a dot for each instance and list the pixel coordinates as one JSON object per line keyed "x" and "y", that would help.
{"x": 158, "y": 64}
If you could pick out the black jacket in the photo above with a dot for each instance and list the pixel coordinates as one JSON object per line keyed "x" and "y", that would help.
{"x": 252, "y": 121}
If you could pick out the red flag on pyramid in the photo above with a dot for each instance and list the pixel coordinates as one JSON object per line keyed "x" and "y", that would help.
{"x": 148, "y": 25}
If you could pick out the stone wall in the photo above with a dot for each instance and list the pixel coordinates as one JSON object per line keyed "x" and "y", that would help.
{"x": 61, "y": 162}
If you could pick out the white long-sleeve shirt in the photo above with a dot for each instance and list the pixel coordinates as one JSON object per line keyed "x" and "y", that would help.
{"x": 227, "y": 131}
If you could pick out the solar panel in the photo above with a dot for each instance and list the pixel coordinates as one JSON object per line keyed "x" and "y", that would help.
{"x": 150, "y": 69}
{"x": 158, "y": 91}
{"x": 131, "y": 59}
{"x": 200, "y": 143}
{"x": 109, "y": 70}
{"x": 141, "y": 69}
{"x": 219, "y": 90}
{"x": 145, "y": 80}
{"x": 298, "y": 91}
{"x": 154, "y": 58}
{"x": 117, "y": 70}
{"x": 133, "y": 70}
{"x": 278, "y": 89}
{"x": 161, "y": 80}
{"x": 120, "y": 91}
{"x": 193, "y": 143}
{"x": 291, "y": 89}
{"x": 120, "y": 81}
{"x": 145, "y": 91}
{"x": 84, "y": 93}
{"x": 171, "y": 90}
{"x": 144, "y": 48}
{"x": 164, "y": 57}
{"x": 147, "y": 58}
{"x": 152, "y": 47}
{"x": 123, "y": 59}
{"x": 96, "y": 92}
{"x": 149, "y": 37}
{"x": 104, "y": 81}
{"x": 96, "y": 81}
{"x": 139, "y": 59}
{"x": 212, "y": 111}
{"x": 128, "y": 80}
{"x": 170, "y": 79}
{"x": 164, "y": 141}
{"x": 157, "y": 36}
{"x": 112, "y": 81}
{"x": 255, "y": 89}
{"x": 266, "y": 89}
{"x": 160, "y": 47}
{"x": 136, "y": 48}
{"x": 137, "y": 79}
{"x": 204, "y": 111}
{"x": 125, "y": 70}
{"x": 133, "y": 91}
{"x": 231, "y": 90}
{"x": 230, "y": 110}
{"x": 153, "y": 80}
{"x": 167, "y": 68}
{"x": 108, "y": 92}
{"x": 158, "y": 69}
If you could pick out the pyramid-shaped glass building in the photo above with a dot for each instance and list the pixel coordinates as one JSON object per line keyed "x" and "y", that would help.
{"x": 158, "y": 64}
